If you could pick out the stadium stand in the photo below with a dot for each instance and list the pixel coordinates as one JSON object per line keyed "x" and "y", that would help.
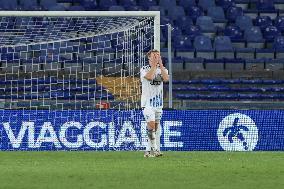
{"x": 238, "y": 36}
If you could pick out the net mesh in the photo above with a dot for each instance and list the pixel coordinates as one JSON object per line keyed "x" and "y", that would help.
{"x": 72, "y": 63}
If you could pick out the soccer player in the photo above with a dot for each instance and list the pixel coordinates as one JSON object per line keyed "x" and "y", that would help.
{"x": 152, "y": 77}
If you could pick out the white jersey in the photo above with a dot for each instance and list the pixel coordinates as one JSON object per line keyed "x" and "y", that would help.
{"x": 152, "y": 91}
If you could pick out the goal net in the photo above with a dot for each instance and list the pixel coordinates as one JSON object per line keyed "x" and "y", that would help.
{"x": 73, "y": 61}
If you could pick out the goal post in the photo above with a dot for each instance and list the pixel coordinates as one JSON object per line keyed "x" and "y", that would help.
{"x": 101, "y": 49}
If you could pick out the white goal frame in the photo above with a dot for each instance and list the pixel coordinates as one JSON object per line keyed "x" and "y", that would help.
{"x": 155, "y": 14}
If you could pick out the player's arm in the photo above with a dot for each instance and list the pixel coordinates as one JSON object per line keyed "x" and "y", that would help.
{"x": 151, "y": 73}
{"x": 164, "y": 71}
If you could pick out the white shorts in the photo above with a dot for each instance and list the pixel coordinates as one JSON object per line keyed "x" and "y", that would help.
{"x": 152, "y": 114}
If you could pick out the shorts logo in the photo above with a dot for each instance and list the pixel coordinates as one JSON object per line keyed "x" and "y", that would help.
{"x": 237, "y": 132}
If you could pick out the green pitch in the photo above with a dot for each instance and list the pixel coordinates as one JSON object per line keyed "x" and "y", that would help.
{"x": 176, "y": 170}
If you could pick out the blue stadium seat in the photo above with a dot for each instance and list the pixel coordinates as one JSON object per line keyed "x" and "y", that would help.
{"x": 48, "y": 4}
{"x": 76, "y": 8}
{"x": 203, "y": 47}
{"x": 279, "y": 22}
{"x": 278, "y": 44}
{"x": 167, "y": 4}
{"x": 234, "y": 64}
{"x": 116, "y": 8}
{"x": 8, "y": 5}
{"x": 270, "y": 33}
{"x": 158, "y": 8}
{"x": 234, "y": 32}
{"x": 263, "y": 22}
{"x": 127, "y": 3}
{"x": 176, "y": 12}
{"x": 206, "y": 24}
{"x": 265, "y": 5}
{"x": 244, "y": 22}
{"x": 184, "y": 22}
{"x": 90, "y": 5}
{"x": 223, "y": 47}
{"x": 194, "y": 12}
{"x": 266, "y": 53}
{"x": 147, "y": 3}
{"x": 105, "y": 4}
{"x": 205, "y": 4}
{"x": 57, "y": 7}
{"x": 182, "y": 43}
{"x": 29, "y": 5}
{"x": 254, "y": 37}
{"x": 194, "y": 64}
{"x": 217, "y": 14}
{"x": 226, "y": 3}
{"x": 214, "y": 64}
{"x": 233, "y": 12}
{"x": 192, "y": 31}
{"x": 187, "y": 3}
{"x": 135, "y": 8}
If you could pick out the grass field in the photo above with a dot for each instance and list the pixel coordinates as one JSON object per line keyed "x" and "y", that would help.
{"x": 176, "y": 170}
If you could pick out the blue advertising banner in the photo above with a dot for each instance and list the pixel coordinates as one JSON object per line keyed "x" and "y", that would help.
{"x": 182, "y": 130}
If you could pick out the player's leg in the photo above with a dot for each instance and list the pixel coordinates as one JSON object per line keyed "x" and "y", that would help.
{"x": 149, "y": 116}
{"x": 158, "y": 116}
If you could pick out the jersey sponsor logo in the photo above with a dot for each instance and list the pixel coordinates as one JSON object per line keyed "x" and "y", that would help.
{"x": 156, "y": 101}
{"x": 237, "y": 132}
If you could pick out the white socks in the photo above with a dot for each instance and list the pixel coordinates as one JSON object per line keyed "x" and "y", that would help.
{"x": 152, "y": 144}
{"x": 158, "y": 137}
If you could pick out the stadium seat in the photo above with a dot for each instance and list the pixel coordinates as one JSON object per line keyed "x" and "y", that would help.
{"x": 76, "y": 8}
{"x": 135, "y": 8}
{"x": 176, "y": 12}
{"x": 223, "y": 47}
{"x": 214, "y": 64}
{"x": 246, "y": 53}
{"x": 244, "y": 22}
{"x": 167, "y": 4}
{"x": 184, "y": 22}
{"x": 279, "y": 23}
{"x": 192, "y": 31}
{"x": 274, "y": 64}
{"x": 233, "y": 12}
{"x": 147, "y": 3}
{"x": 183, "y": 47}
{"x": 278, "y": 43}
{"x": 206, "y": 24}
{"x": 187, "y": 3}
{"x": 127, "y": 3}
{"x": 265, "y": 5}
{"x": 194, "y": 64}
{"x": 105, "y": 4}
{"x": 8, "y": 5}
{"x": 205, "y": 4}
{"x": 254, "y": 37}
{"x": 57, "y": 7}
{"x": 226, "y": 3}
{"x": 29, "y": 5}
{"x": 194, "y": 12}
{"x": 254, "y": 64}
{"x": 270, "y": 33}
{"x": 266, "y": 53}
{"x": 47, "y": 4}
{"x": 234, "y": 32}
{"x": 263, "y": 22}
{"x": 116, "y": 8}
{"x": 237, "y": 64}
{"x": 158, "y": 8}
{"x": 89, "y": 4}
{"x": 178, "y": 64}
{"x": 203, "y": 47}
{"x": 217, "y": 14}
